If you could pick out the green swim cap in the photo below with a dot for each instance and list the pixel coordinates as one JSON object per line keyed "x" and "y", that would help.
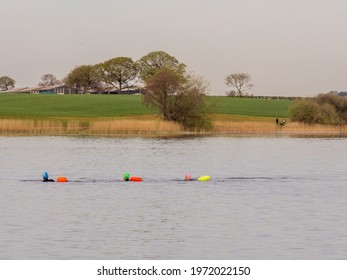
{"x": 126, "y": 176}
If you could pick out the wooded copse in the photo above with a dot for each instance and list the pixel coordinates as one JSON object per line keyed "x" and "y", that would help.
{"x": 120, "y": 73}
{"x": 177, "y": 95}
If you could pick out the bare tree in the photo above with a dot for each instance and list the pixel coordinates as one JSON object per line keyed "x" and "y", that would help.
{"x": 240, "y": 82}
{"x": 49, "y": 80}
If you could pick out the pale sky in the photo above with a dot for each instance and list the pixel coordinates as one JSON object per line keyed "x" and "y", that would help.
{"x": 290, "y": 48}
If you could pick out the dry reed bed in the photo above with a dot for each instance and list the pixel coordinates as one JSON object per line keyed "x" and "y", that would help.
{"x": 38, "y": 127}
{"x": 133, "y": 127}
{"x": 157, "y": 127}
{"x": 87, "y": 127}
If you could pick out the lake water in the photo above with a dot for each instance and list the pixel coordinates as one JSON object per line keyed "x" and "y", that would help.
{"x": 268, "y": 198}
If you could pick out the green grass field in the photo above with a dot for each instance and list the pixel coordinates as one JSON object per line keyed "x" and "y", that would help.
{"x": 84, "y": 106}
{"x": 249, "y": 106}
{"x": 91, "y": 106}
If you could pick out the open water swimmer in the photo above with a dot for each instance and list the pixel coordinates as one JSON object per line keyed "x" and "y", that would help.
{"x": 188, "y": 177}
{"x": 45, "y": 177}
{"x": 127, "y": 177}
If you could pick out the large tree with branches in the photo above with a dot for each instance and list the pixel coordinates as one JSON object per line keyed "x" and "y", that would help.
{"x": 178, "y": 98}
{"x": 118, "y": 72}
{"x": 152, "y": 62}
{"x": 6, "y": 83}
{"x": 240, "y": 83}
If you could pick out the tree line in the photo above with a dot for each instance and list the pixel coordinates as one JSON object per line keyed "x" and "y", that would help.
{"x": 119, "y": 73}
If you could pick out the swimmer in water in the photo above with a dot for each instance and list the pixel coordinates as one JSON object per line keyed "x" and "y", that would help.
{"x": 126, "y": 176}
{"x": 45, "y": 177}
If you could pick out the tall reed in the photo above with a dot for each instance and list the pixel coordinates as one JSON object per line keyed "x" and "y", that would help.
{"x": 291, "y": 128}
{"x": 86, "y": 127}
{"x": 125, "y": 126}
{"x": 157, "y": 127}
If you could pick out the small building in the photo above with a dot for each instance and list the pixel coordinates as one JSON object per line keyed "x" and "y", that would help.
{"x": 127, "y": 90}
{"x": 57, "y": 89}
{"x": 13, "y": 90}
{"x": 31, "y": 89}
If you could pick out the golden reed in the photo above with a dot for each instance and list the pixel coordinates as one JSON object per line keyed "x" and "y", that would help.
{"x": 155, "y": 126}
{"x": 86, "y": 127}
{"x": 290, "y": 128}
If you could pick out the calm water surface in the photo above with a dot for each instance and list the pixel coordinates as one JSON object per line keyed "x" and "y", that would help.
{"x": 269, "y": 198}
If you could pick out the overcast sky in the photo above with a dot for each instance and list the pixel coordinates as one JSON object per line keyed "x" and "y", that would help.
{"x": 290, "y": 48}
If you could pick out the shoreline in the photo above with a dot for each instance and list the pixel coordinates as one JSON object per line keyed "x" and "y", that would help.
{"x": 154, "y": 127}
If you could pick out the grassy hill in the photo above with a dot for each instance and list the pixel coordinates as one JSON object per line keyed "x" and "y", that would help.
{"x": 91, "y": 106}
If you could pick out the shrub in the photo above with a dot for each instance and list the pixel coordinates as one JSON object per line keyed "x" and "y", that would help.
{"x": 305, "y": 110}
{"x": 327, "y": 115}
{"x": 338, "y": 102}
{"x": 178, "y": 98}
{"x": 323, "y": 109}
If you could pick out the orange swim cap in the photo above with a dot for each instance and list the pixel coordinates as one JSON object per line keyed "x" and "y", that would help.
{"x": 187, "y": 177}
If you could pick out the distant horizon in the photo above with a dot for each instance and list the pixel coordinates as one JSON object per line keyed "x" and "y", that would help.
{"x": 294, "y": 48}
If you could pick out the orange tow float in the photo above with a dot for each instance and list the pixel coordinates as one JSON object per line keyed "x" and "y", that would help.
{"x": 62, "y": 179}
{"x": 135, "y": 179}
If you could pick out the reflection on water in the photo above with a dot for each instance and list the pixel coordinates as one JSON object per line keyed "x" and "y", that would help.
{"x": 269, "y": 198}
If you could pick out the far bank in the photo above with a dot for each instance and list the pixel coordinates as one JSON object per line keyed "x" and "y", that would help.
{"x": 113, "y": 115}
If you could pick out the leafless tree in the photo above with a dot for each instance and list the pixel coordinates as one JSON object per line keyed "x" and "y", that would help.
{"x": 240, "y": 82}
{"x": 49, "y": 80}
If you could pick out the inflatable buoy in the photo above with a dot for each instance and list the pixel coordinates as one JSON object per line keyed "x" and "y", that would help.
{"x": 62, "y": 179}
{"x": 135, "y": 179}
{"x": 204, "y": 178}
